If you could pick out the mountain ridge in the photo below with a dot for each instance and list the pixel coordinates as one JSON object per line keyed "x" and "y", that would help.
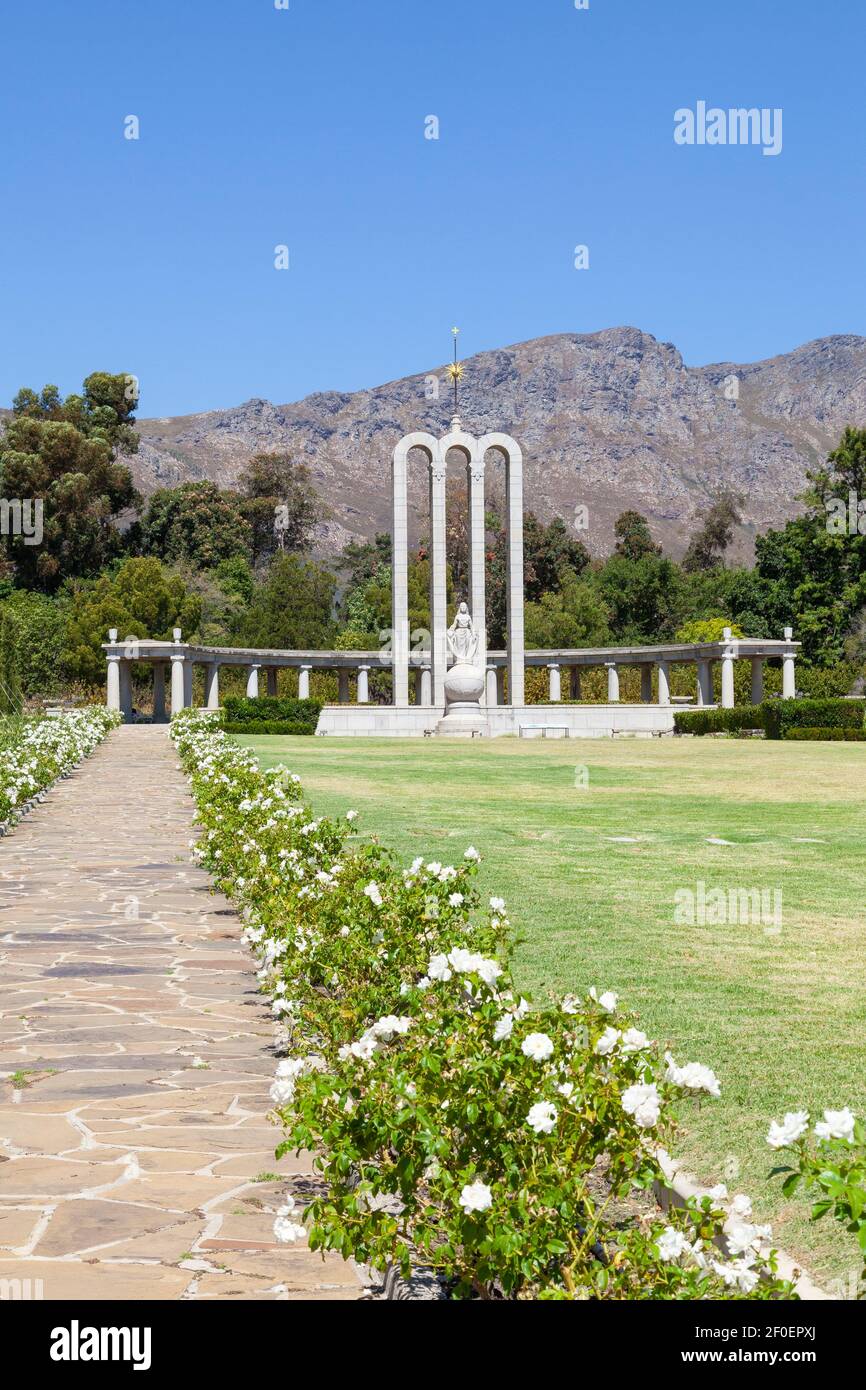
{"x": 607, "y": 420}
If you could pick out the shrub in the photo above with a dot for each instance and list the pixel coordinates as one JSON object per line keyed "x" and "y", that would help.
{"x": 719, "y": 721}
{"x": 829, "y": 735}
{"x": 267, "y": 709}
{"x": 813, "y": 714}
{"x": 449, "y": 1123}
{"x": 268, "y": 726}
{"x": 832, "y": 1165}
{"x": 35, "y": 752}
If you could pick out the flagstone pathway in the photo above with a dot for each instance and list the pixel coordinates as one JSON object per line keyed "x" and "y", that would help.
{"x": 136, "y": 1159}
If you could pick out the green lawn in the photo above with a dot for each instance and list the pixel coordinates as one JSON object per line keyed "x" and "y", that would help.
{"x": 590, "y": 872}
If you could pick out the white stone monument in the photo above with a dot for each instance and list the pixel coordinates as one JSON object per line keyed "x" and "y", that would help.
{"x": 472, "y": 618}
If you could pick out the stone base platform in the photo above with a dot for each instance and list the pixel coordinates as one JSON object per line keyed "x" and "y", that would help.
{"x": 527, "y": 721}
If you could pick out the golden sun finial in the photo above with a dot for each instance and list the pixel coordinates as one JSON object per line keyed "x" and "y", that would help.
{"x": 455, "y": 370}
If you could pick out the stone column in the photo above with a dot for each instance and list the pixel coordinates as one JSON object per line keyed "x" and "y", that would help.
{"x": 477, "y": 554}
{"x": 343, "y": 685}
{"x": 646, "y": 682}
{"x": 272, "y": 682}
{"x": 514, "y": 508}
{"x": 757, "y": 679}
{"x": 178, "y": 683}
{"x": 612, "y": 682}
{"x": 727, "y": 673}
{"x": 705, "y": 683}
{"x": 399, "y": 581}
{"x": 491, "y": 691}
{"x": 363, "y": 685}
{"x": 554, "y": 682}
{"x": 212, "y": 685}
{"x": 789, "y": 676}
{"x": 304, "y": 683}
{"x": 500, "y": 685}
{"x": 574, "y": 682}
{"x": 426, "y": 686}
{"x": 126, "y": 689}
{"x": 438, "y": 594}
{"x": 112, "y": 683}
{"x": 188, "y": 673}
{"x": 253, "y": 681}
{"x": 158, "y": 691}
{"x": 664, "y": 670}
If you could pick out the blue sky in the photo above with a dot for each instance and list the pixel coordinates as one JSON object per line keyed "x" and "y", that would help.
{"x": 305, "y": 127}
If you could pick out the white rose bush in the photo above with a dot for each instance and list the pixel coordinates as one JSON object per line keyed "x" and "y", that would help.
{"x": 453, "y": 1127}
{"x": 35, "y": 752}
{"x": 830, "y": 1160}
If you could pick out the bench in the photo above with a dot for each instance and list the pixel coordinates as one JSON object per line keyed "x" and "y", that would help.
{"x": 543, "y": 729}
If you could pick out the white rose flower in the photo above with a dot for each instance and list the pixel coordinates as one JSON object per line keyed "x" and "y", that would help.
{"x": 633, "y": 1040}
{"x": 542, "y": 1117}
{"x": 836, "y": 1124}
{"x": 607, "y": 1042}
{"x": 497, "y": 904}
{"x": 644, "y": 1103}
{"x": 455, "y": 899}
{"x": 438, "y": 968}
{"x": 372, "y": 892}
{"x": 538, "y": 1046}
{"x": 792, "y": 1128}
{"x": 671, "y": 1244}
{"x": 504, "y": 1028}
{"x": 472, "y": 855}
{"x": 476, "y": 1196}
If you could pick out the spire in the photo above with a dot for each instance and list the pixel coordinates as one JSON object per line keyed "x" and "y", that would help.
{"x": 455, "y": 371}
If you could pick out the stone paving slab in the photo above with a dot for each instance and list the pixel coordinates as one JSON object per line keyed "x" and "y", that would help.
{"x": 128, "y": 1169}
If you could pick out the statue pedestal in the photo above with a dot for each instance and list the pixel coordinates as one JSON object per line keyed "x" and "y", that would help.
{"x": 464, "y": 717}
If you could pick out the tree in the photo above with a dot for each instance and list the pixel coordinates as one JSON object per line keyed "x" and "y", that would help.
{"x": 280, "y": 504}
{"x": 40, "y": 629}
{"x": 549, "y": 554}
{"x": 647, "y": 598}
{"x": 633, "y": 538}
{"x": 196, "y": 524}
{"x": 820, "y": 566}
{"x": 11, "y": 698}
{"x": 574, "y": 616}
{"x": 291, "y": 608}
{"x": 707, "y": 630}
{"x": 707, "y": 547}
{"x": 141, "y": 599}
{"x": 61, "y": 455}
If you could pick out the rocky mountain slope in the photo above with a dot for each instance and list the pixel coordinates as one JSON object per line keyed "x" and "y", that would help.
{"x": 606, "y": 420}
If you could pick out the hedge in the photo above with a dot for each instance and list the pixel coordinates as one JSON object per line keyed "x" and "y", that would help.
{"x": 268, "y": 726}
{"x": 271, "y": 710}
{"x": 813, "y": 714}
{"x": 720, "y": 721}
{"x": 775, "y": 717}
{"x": 825, "y": 735}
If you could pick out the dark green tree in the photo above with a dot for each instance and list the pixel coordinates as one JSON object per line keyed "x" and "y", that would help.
{"x": 11, "y": 696}
{"x": 706, "y": 549}
{"x": 280, "y": 503}
{"x": 291, "y": 608}
{"x": 62, "y": 455}
{"x": 197, "y": 524}
{"x": 633, "y": 538}
{"x": 142, "y": 599}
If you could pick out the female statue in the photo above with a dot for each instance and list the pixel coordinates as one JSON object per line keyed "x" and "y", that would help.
{"x": 461, "y": 636}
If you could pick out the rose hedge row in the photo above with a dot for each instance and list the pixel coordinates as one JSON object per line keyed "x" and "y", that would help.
{"x": 35, "y": 752}
{"x": 452, "y": 1126}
